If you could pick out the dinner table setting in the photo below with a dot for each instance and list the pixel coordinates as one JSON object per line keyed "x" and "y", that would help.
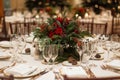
{"x": 53, "y": 44}
{"x": 19, "y": 57}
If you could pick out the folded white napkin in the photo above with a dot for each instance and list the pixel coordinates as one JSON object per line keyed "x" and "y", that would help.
{"x": 5, "y": 44}
{"x": 29, "y": 39}
{"x": 100, "y": 50}
{"x": 22, "y": 69}
{"x": 74, "y": 72}
{"x": 89, "y": 38}
{"x": 4, "y": 54}
{"x": 114, "y": 64}
{"x": 48, "y": 76}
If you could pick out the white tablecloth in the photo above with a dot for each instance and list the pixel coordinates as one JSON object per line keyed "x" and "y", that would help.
{"x": 30, "y": 59}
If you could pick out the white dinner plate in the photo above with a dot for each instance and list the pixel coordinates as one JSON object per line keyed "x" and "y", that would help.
{"x": 29, "y": 39}
{"x": 115, "y": 64}
{"x": 5, "y": 44}
{"x": 34, "y": 73}
{"x": 117, "y": 53}
{"x": 101, "y": 58}
{"x": 4, "y": 55}
{"x": 98, "y": 58}
{"x": 66, "y": 63}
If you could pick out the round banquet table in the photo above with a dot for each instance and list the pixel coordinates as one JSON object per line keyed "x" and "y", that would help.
{"x": 31, "y": 60}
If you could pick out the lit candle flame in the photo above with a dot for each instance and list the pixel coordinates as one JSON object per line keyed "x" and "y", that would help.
{"x": 37, "y": 16}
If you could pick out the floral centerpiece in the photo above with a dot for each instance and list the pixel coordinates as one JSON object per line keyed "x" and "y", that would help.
{"x": 80, "y": 12}
{"x": 63, "y": 31}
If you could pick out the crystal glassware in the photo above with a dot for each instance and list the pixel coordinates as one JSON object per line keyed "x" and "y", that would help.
{"x": 47, "y": 53}
{"x": 55, "y": 50}
{"x": 79, "y": 50}
{"x": 86, "y": 54}
{"x": 108, "y": 47}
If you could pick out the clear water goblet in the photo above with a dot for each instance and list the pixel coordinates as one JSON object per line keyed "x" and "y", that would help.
{"x": 47, "y": 53}
{"x": 18, "y": 46}
{"x": 13, "y": 48}
{"x": 93, "y": 53}
{"x": 92, "y": 49}
{"x": 86, "y": 53}
{"x": 79, "y": 50}
{"x": 22, "y": 43}
{"x": 55, "y": 50}
{"x": 108, "y": 47}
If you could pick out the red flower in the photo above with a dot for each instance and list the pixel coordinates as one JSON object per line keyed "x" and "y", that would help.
{"x": 59, "y": 19}
{"x": 67, "y": 21}
{"x": 75, "y": 39}
{"x": 48, "y": 9}
{"x": 59, "y": 31}
{"x": 76, "y": 31}
{"x": 42, "y": 27}
{"x": 79, "y": 43}
{"x": 81, "y": 10}
{"x": 51, "y": 33}
{"x": 55, "y": 24}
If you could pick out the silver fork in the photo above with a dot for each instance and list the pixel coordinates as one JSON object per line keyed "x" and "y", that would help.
{"x": 89, "y": 71}
{"x": 58, "y": 76}
{"x": 41, "y": 73}
{"x": 92, "y": 75}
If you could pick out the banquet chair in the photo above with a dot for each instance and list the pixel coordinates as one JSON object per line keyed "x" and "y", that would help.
{"x": 21, "y": 27}
{"x": 100, "y": 78}
{"x": 100, "y": 28}
{"x": 11, "y": 77}
{"x": 116, "y": 25}
{"x": 30, "y": 19}
{"x": 4, "y": 33}
{"x": 86, "y": 24}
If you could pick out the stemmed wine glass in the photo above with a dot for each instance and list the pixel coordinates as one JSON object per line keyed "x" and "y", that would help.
{"x": 14, "y": 47}
{"x": 22, "y": 43}
{"x": 55, "y": 50}
{"x": 47, "y": 53}
{"x": 18, "y": 45}
{"x": 93, "y": 49}
{"x": 86, "y": 53}
{"x": 93, "y": 52}
{"x": 108, "y": 47}
{"x": 79, "y": 50}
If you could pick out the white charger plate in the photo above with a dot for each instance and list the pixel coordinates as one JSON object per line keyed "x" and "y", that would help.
{"x": 115, "y": 64}
{"x": 117, "y": 54}
{"x": 34, "y": 73}
{"x": 5, "y": 44}
{"x": 4, "y": 55}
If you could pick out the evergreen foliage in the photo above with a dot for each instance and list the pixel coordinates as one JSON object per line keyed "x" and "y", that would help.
{"x": 107, "y": 4}
{"x": 38, "y": 4}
